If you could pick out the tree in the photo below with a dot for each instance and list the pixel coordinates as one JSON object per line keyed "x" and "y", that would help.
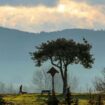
{"x": 41, "y": 80}
{"x": 73, "y": 82}
{"x": 99, "y": 82}
{"x": 62, "y": 52}
{"x": 2, "y": 87}
{"x": 10, "y": 89}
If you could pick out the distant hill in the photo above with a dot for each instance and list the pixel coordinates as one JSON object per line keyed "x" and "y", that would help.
{"x": 16, "y": 35}
{"x": 21, "y": 43}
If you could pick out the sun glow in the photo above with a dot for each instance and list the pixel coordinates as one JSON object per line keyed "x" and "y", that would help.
{"x": 61, "y": 8}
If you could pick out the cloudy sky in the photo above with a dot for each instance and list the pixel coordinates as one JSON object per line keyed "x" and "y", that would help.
{"x": 51, "y": 15}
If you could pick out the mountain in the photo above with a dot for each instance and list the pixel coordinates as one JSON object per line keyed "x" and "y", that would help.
{"x": 16, "y": 44}
{"x": 12, "y": 37}
{"x": 16, "y": 65}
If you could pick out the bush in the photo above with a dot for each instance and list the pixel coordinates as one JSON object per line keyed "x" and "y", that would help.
{"x": 2, "y": 102}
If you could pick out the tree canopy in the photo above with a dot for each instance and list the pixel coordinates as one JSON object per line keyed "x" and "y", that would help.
{"x": 67, "y": 51}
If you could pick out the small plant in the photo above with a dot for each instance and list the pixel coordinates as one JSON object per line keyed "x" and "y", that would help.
{"x": 91, "y": 102}
{"x": 76, "y": 101}
{"x": 99, "y": 100}
{"x": 2, "y": 102}
{"x": 68, "y": 97}
{"x": 91, "y": 98}
{"x": 52, "y": 100}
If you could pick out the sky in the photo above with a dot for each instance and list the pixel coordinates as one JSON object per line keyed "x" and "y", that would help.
{"x": 48, "y": 15}
{"x": 51, "y": 15}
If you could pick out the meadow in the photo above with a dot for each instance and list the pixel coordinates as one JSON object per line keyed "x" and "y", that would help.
{"x": 37, "y": 99}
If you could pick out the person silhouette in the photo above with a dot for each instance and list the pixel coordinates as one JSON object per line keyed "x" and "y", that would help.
{"x": 20, "y": 89}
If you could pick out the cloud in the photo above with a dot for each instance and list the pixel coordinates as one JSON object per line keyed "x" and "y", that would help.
{"x": 96, "y": 1}
{"x": 29, "y": 2}
{"x": 92, "y": 2}
{"x": 67, "y": 14}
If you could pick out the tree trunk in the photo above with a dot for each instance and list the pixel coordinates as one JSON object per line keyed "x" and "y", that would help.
{"x": 64, "y": 86}
{"x": 65, "y": 81}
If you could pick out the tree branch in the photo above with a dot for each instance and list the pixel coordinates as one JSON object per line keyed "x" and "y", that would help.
{"x": 61, "y": 68}
{"x": 54, "y": 63}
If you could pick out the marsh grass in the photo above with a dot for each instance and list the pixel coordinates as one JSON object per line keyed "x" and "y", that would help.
{"x": 37, "y": 99}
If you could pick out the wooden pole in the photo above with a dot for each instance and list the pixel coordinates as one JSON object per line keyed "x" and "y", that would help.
{"x": 53, "y": 90}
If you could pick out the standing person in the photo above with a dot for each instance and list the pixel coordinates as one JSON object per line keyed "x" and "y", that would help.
{"x": 20, "y": 89}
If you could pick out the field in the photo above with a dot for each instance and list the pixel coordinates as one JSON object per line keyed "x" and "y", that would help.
{"x": 37, "y": 99}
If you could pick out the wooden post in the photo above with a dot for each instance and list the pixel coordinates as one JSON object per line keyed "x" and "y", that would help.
{"x": 53, "y": 89}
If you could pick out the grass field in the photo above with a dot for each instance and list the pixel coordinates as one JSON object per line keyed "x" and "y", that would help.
{"x": 37, "y": 99}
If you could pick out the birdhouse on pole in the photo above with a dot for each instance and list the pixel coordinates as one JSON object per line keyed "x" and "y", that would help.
{"x": 53, "y": 71}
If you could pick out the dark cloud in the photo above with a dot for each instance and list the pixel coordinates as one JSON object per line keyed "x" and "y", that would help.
{"x": 29, "y": 2}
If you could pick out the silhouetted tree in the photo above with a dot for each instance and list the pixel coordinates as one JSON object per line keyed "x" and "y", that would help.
{"x": 61, "y": 53}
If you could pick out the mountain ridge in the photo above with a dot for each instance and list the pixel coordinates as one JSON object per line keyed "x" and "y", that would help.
{"x": 44, "y": 32}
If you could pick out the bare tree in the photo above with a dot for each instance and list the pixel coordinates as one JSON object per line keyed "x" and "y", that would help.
{"x": 7, "y": 88}
{"x": 99, "y": 82}
{"x": 42, "y": 80}
{"x": 10, "y": 88}
{"x": 2, "y": 87}
{"x": 73, "y": 82}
